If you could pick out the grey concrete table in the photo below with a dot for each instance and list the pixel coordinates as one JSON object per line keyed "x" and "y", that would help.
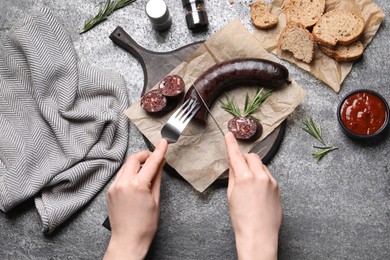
{"x": 338, "y": 208}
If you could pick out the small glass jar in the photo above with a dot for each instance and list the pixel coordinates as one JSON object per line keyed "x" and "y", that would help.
{"x": 196, "y": 16}
{"x": 158, "y": 14}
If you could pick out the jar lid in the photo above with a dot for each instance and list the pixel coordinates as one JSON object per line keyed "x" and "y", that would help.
{"x": 186, "y": 2}
{"x": 157, "y": 12}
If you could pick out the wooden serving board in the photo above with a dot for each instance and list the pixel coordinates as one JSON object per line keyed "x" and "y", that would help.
{"x": 156, "y": 65}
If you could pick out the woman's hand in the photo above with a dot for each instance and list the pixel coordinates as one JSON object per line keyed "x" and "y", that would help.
{"x": 133, "y": 202}
{"x": 254, "y": 204}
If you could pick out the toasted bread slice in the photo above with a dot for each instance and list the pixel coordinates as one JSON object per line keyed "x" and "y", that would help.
{"x": 305, "y": 12}
{"x": 338, "y": 26}
{"x": 298, "y": 40}
{"x": 261, "y": 18}
{"x": 343, "y": 53}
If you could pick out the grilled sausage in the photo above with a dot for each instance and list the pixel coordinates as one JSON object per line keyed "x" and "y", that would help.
{"x": 232, "y": 73}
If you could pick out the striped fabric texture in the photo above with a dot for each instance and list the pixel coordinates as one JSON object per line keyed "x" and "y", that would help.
{"x": 63, "y": 133}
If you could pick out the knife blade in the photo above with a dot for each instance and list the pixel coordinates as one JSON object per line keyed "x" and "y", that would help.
{"x": 208, "y": 110}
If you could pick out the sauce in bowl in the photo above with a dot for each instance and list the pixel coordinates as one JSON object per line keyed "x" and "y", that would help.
{"x": 363, "y": 113}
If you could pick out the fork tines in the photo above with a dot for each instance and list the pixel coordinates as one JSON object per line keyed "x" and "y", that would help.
{"x": 179, "y": 120}
{"x": 187, "y": 111}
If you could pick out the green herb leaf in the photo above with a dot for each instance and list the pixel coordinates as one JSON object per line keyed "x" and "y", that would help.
{"x": 313, "y": 129}
{"x": 246, "y": 102}
{"x": 258, "y": 99}
{"x": 323, "y": 151}
{"x": 103, "y": 13}
{"x": 230, "y": 106}
{"x": 249, "y": 107}
{"x": 122, "y": 3}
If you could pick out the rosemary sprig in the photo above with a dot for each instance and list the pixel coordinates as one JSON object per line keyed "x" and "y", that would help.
{"x": 313, "y": 129}
{"x": 104, "y": 11}
{"x": 258, "y": 99}
{"x": 323, "y": 151}
{"x": 249, "y": 107}
{"x": 230, "y": 106}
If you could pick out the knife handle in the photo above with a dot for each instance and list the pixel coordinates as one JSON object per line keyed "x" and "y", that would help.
{"x": 106, "y": 224}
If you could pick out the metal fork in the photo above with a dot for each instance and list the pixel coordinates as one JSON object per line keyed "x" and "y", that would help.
{"x": 179, "y": 120}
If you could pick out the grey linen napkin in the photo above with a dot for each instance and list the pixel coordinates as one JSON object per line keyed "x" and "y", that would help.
{"x": 63, "y": 133}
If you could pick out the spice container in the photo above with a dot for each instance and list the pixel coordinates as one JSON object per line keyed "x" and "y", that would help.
{"x": 158, "y": 14}
{"x": 196, "y": 16}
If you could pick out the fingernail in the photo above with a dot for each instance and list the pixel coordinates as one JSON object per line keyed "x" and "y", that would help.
{"x": 229, "y": 135}
{"x": 161, "y": 143}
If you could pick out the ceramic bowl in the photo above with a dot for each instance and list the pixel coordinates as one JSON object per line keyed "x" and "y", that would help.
{"x": 355, "y": 119}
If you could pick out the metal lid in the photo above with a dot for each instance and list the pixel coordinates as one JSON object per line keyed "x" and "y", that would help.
{"x": 186, "y": 2}
{"x": 157, "y": 11}
{"x": 158, "y": 14}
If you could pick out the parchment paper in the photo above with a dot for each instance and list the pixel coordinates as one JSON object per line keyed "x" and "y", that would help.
{"x": 323, "y": 67}
{"x": 199, "y": 155}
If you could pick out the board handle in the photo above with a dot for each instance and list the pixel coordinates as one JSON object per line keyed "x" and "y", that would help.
{"x": 120, "y": 37}
{"x": 155, "y": 65}
{"x": 124, "y": 40}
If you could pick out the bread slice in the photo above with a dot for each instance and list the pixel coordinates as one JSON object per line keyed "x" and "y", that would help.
{"x": 343, "y": 53}
{"x": 305, "y": 12}
{"x": 338, "y": 26}
{"x": 298, "y": 40}
{"x": 261, "y": 18}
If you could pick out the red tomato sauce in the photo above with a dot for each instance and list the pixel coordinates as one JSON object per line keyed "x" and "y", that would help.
{"x": 363, "y": 113}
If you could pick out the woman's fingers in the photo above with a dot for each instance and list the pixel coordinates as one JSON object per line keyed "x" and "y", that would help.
{"x": 256, "y": 165}
{"x": 236, "y": 159}
{"x": 153, "y": 163}
{"x": 156, "y": 183}
{"x": 230, "y": 182}
{"x": 270, "y": 175}
{"x": 132, "y": 165}
{"x": 254, "y": 162}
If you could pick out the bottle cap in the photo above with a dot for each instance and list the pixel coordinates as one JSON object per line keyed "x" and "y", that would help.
{"x": 158, "y": 14}
{"x": 186, "y": 2}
